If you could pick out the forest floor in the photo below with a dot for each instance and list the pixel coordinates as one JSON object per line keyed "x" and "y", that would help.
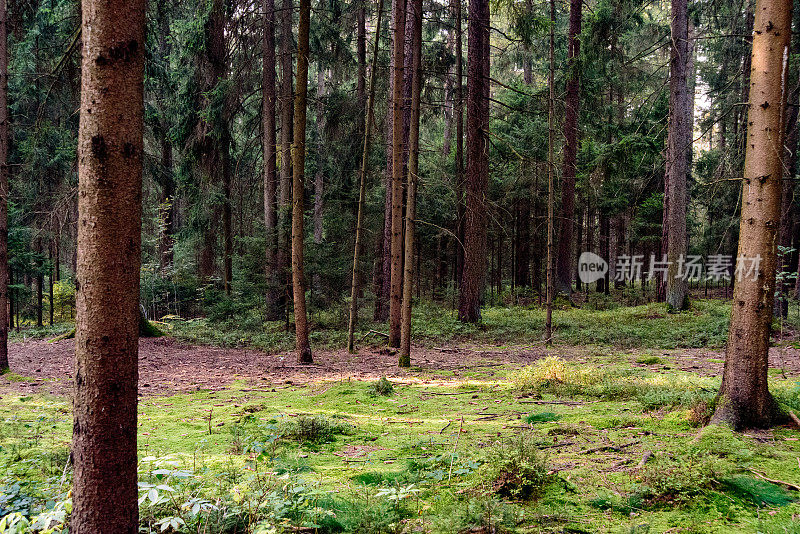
{"x": 478, "y": 436}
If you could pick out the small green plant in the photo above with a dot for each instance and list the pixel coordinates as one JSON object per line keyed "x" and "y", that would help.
{"x": 517, "y": 469}
{"x": 382, "y": 387}
{"x": 649, "y": 360}
{"x": 543, "y": 417}
{"x": 313, "y": 429}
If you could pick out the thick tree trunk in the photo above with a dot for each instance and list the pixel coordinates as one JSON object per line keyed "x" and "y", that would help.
{"x": 572, "y": 102}
{"x": 396, "y": 273}
{"x": 298, "y": 189}
{"x": 413, "y": 168}
{"x": 744, "y": 399}
{"x": 273, "y": 278}
{"x": 477, "y": 179}
{"x": 679, "y": 140}
{"x": 285, "y": 101}
{"x": 107, "y": 279}
{"x": 362, "y": 187}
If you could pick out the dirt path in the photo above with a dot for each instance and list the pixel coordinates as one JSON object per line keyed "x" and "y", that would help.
{"x": 168, "y": 366}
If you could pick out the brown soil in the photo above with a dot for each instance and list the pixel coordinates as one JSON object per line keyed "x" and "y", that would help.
{"x": 167, "y": 366}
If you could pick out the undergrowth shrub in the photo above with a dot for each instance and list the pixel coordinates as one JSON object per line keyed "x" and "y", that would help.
{"x": 516, "y": 469}
{"x": 382, "y": 387}
{"x": 313, "y": 428}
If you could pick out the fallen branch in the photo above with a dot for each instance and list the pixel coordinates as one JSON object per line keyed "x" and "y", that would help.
{"x": 615, "y": 448}
{"x": 645, "y": 459}
{"x": 794, "y": 418}
{"x": 445, "y": 427}
{"x": 456, "y": 393}
{"x": 375, "y": 332}
{"x": 762, "y": 476}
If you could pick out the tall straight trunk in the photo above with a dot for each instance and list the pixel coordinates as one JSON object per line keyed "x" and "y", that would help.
{"x": 361, "y": 53}
{"x": 4, "y": 269}
{"x": 50, "y": 284}
{"x": 744, "y": 399}
{"x": 285, "y": 100}
{"x": 107, "y": 279}
{"x": 458, "y": 118}
{"x": 268, "y": 121}
{"x": 383, "y": 266}
{"x": 396, "y": 274}
{"x": 548, "y": 325}
{"x": 522, "y": 246}
{"x": 298, "y": 175}
{"x": 39, "y": 298}
{"x": 411, "y": 201}
{"x": 319, "y": 175}
{"x": 362, "y": 186}
{"x": 679, "y": 139}
{"x": 477, "y": 178}
{"x": 571, "y": 103}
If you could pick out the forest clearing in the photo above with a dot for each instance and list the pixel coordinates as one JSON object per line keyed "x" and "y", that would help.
{"x": 399, "y": 266}
{"x": 477, "y": 436}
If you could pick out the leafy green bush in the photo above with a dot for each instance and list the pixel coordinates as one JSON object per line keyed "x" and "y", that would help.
{"x": 382, "y": 387}
{"x": 517, "y": 469}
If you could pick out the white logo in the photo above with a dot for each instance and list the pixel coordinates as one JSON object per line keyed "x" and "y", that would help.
{"x": 591, "y": 267}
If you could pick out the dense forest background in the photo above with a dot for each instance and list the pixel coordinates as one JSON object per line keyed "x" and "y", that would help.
{"x": 204, "y": 236}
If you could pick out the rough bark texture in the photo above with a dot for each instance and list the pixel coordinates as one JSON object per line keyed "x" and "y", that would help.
{"x": 396, "y": 273}
{"x": 744, "y": 399}
{"x": 107, "y": 278}
{"x": 477, "y": 178}
{"x": 679, "y": 138}
{"x": 362, "y": 187}
{"x": 572, "y": 101}
{"x": 298, "y": 177}
{"x": 4, "y": 271}
{"x": 411, "y": 201}
{"x": 273, "y": 293}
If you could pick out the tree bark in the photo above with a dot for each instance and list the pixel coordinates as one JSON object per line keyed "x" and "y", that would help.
{"x": 458, "y": 118}
{"x": 572, "y": 102}
{"x": 107, "y": 278}
{"x": 477, "y": 178}
{"x": 319, "y": 175}
{"x": 548, "y": 326}
{"x": 411, "y": 201}
{"x": 679, "y": 139}
{"x": 396, "y": 274}
{"x": 298, "y": 190}
{"x": 4, "y": 268}
{"x": 744, "y": 399}
{"x": 273, "y": 278}
{"x": 362, "y": 186}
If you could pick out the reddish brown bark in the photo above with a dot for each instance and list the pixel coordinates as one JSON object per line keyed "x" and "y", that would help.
{"x": 107, "y": 278}
{"x": 4, "y": 270}
{"x": 302, "y": 344}
{"x": 477, "y": 178}
{"x": 564, "y": 268}
{"x": 744, "y": 399}
{"x": 273, "y": 292}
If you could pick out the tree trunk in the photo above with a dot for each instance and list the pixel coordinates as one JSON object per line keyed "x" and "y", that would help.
{"x": 285, "y": 171}
{"x": 458, "y": 118}
{"x": 744, "y": 399}
{"x": 411, "y": 201}
{"x": 361, "y": 53}
{"x": 298, "y": 190}
{"x": 572, "y": 101}
{"x": 477, "y": 179}
{"x": 679, "y": 140}
{"x": 319, "y": 175}
{"x": 396, "y": 274}
{"x": 107, "y": 278}
{"x": 4, "y": 189}
{"x": 548, "y": 326}
{"x": 362, "y": 186}
{"x": 273, "y": 278}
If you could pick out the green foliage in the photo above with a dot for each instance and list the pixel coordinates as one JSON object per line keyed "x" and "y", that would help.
{"x": 543, "y": 417}
{"x": 758, "y": 492}
{"x": 382, "y": 387}
{"x": 516, "y": 469}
